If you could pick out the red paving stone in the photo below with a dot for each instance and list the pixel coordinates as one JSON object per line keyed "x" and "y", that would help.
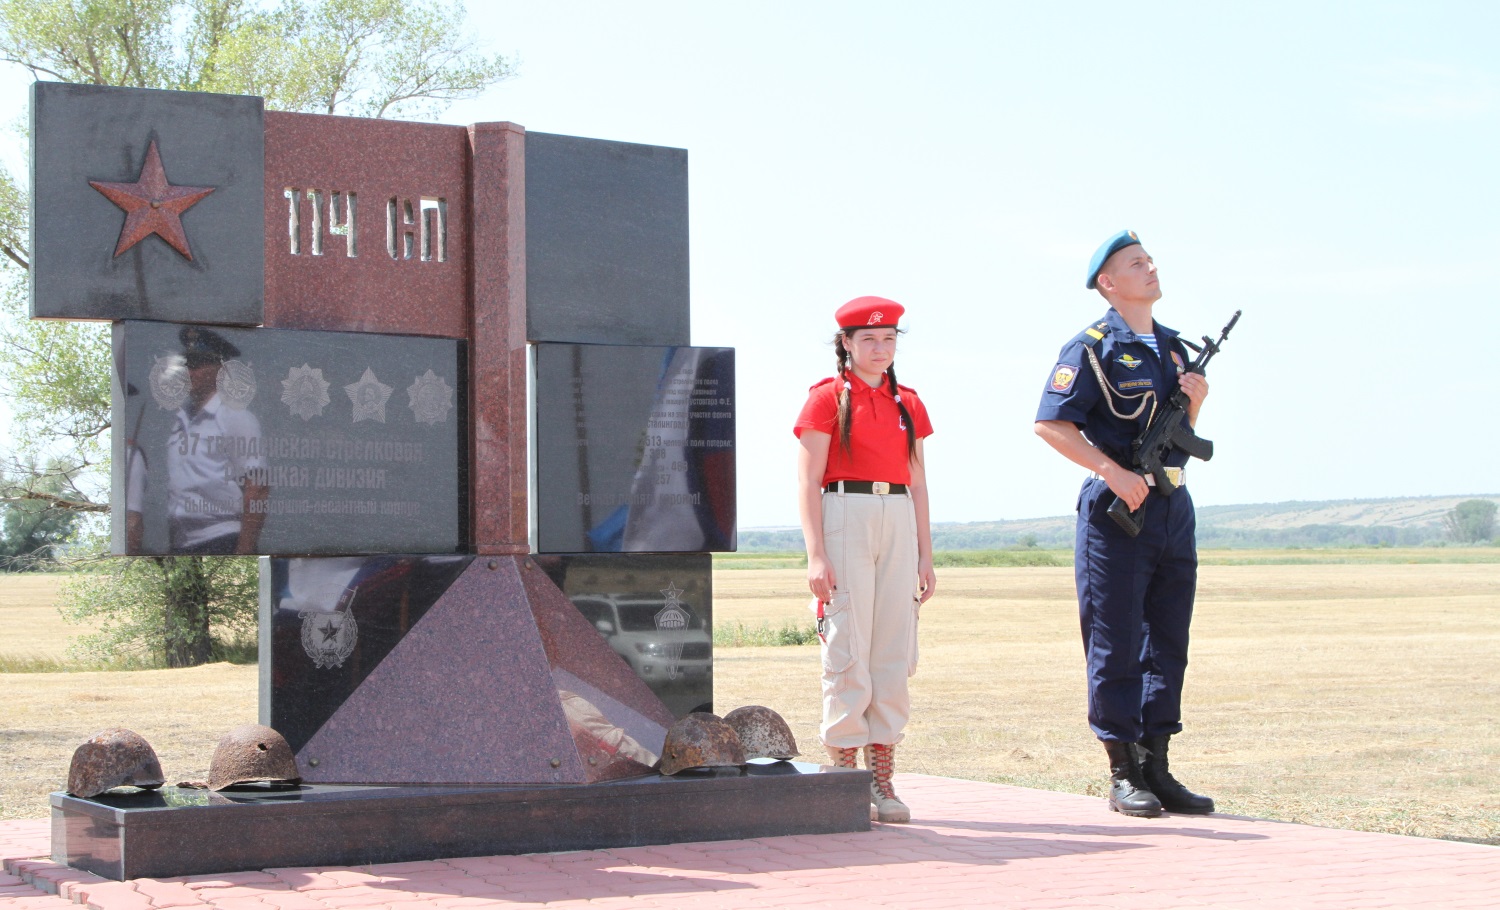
{"x": 972, "y": 845}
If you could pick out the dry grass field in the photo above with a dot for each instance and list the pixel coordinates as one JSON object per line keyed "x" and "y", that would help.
{"x": 1350, "y": 695}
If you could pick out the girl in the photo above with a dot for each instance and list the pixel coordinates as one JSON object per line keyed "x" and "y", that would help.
{"x": 869, "y": 545}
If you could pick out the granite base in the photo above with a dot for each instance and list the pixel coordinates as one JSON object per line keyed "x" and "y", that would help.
{"x": 175, "y": 832}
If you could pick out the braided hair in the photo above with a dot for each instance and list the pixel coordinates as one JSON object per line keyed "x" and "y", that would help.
{"x": 845, "y": 415}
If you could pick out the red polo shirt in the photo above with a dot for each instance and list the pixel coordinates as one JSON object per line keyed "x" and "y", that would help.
{"x": 876, "y": 440}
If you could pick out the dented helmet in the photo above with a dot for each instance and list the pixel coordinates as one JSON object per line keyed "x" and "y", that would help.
{"x": 701, "y": 740}
{"x": 113, "y": 758}
{"x": 762, "y": 733}
{"x": 249, "y": 754}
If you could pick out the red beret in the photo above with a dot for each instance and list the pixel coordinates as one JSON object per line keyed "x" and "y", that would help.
{"x": 869, "y": 312}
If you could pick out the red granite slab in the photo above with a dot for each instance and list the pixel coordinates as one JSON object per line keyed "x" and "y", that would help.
{"x": 497, "y": 362}
{"x": 312, "y": 281}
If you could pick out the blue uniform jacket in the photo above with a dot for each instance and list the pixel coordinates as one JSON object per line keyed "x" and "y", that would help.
{"x": 1134, "y": 374}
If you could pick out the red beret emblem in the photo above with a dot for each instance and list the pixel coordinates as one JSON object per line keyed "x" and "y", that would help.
{"x": 875, "y": 318}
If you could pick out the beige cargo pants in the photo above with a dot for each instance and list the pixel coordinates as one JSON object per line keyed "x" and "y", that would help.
{"x": 870, "y": 625}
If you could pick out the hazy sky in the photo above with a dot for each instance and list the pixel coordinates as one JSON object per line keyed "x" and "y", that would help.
{"x": 1328, "y": 168}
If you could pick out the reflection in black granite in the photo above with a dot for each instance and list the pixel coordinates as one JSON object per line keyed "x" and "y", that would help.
{"x": 656, "y": 612}
{"x": 332, "y": 620}
{"x": 635, "y": 449}
{"x": 286, "y": 442}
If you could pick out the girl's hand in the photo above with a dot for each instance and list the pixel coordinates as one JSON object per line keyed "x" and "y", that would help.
{"x": 820, "y": 578}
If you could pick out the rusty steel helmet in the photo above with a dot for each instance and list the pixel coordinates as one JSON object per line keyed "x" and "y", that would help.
{"x": 116, "y": 757}
{"x": 701, "y": 740}
{"x": 762, "y": 732}
{"x": 249, "y": 754}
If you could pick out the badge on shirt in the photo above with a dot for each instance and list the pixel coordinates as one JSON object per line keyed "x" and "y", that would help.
{"x": 1130, "y": 384}
{"x": 1177, "y": 359}
{"x": 1128, "y": 362}
{"x": 1063, "y": 376}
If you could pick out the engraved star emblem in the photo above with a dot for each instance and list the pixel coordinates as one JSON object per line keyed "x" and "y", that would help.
{"x": 330, "y": 631}
{"x": 672, "y": 592}
{"x": 369, "y": 396}
{"x": 152, "y": 205}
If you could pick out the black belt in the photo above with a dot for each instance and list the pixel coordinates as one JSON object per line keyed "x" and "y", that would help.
{"x": 865, "y": 486}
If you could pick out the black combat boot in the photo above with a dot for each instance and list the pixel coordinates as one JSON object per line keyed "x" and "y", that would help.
{"x": 1128, "y": 793}
{"x": 1174, "y": 797}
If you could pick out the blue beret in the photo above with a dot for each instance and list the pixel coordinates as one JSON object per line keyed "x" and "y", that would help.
{"x": 1107, "y": 249}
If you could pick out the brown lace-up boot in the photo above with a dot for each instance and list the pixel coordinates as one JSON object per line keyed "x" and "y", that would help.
{"x": 884, "y": 804}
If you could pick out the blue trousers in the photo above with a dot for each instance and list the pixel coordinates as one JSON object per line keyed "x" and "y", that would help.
{"x": 1135, "y": 603}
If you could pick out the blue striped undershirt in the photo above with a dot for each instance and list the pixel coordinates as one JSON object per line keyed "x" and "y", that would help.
{"x": 1150, "y": 340}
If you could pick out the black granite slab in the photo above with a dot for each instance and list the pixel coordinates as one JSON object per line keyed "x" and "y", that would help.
{"x": 655, "y": 611}
{"x": 606, "y": 241}
{"x": 333, "y": 442}
{"x": 185, "y": 832}
{"x": 83, "y": 133}
{"x": 634, "y": 449}
{"x": 327, "y": 622}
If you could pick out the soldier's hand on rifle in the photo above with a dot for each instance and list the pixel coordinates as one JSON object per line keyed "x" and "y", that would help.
{"x": 1195, "y": 387}
{"x": 1128, "y": 485}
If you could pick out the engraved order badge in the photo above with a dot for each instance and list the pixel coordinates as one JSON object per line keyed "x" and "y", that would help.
{"x": 369, "y": 396}
{"x": 305, "y": 392}
{"x": 329, "y": 637}
{"x": 169, "y": 381}
{"x": 430, "y": 398}
{"x": 236, "y": 384}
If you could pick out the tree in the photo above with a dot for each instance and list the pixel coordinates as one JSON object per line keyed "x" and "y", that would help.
{"x": 1471, "y": 521}
{"x": 32, "y": 528}
{"x": 373, "y": 58}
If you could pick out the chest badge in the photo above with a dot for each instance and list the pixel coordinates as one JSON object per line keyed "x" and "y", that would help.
{"x": 1129, "y": 362}
{"x": 1177, "y": 359}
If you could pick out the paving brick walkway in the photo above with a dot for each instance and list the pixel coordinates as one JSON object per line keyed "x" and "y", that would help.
{"x": 972, "y": 846}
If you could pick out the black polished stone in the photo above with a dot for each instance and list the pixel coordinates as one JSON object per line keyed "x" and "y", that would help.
{"x": 83, "y": 133}
{"x": 606, "y": 241}
{"x": 635, "y": 449}
{"x": 185, "y": 832}
{"x": 656, "y": 612}
{"x": 327, "y": 622}
{"x": 337, "y": 443}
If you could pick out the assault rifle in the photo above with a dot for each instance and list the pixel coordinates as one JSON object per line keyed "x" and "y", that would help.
{"x": 1168, "y": 431}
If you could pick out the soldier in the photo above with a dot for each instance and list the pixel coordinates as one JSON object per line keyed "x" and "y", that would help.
{"x": 1135, "y": 594}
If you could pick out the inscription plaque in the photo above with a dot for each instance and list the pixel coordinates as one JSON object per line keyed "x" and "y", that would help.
{"x": 146, "y": 205}
{"x": 635, "y": 449}
{"x": 269, "y": 441}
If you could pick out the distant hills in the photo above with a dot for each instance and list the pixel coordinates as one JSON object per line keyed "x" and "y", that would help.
{"x": 1411, "y": 521}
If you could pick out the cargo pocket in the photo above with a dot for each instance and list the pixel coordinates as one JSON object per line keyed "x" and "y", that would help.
{"x": 838, "y": 634}
{"x": 916, "y": 614}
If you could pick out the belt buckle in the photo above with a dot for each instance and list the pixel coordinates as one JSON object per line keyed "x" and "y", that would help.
{"x": 1175, "y": 475}
{"x": 880, "y": 487}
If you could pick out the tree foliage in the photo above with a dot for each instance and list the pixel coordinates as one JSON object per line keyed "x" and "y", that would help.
{"x": 177, "y": 611}
{"x": 1471, "y": 521}
{"x": 31, "y": 529}
{"x": 373, "y": 58}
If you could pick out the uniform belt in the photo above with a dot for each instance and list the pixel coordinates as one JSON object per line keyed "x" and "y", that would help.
{"x": 878, "y": 487}
{"x": 1178, "y": 476}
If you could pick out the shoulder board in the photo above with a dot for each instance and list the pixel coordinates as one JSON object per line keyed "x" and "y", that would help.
{"x": 1094, "y": 333}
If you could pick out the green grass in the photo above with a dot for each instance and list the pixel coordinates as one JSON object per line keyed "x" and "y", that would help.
{"x": 764, "y": 635}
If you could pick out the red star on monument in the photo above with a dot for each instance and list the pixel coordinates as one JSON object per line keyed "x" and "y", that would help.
{"x": 152, "y": 205}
